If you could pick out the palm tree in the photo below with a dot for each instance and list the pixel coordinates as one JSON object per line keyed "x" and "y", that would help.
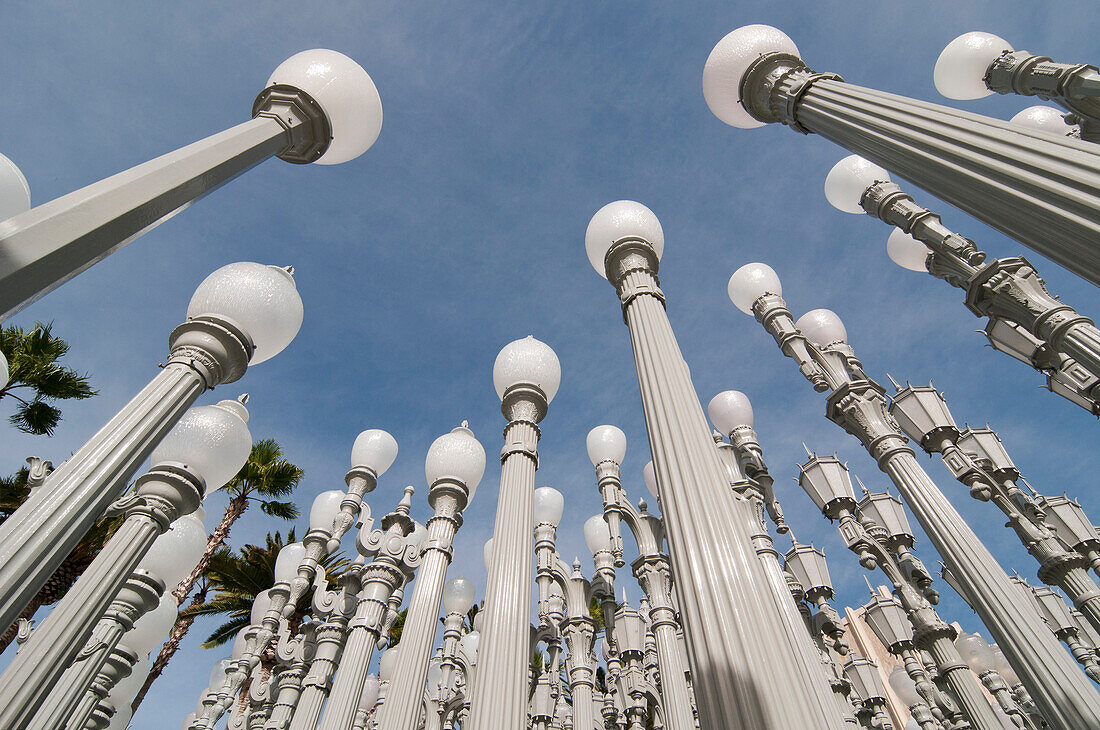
{"x": 264, "y": 478}
{"x": 32, "y": 364}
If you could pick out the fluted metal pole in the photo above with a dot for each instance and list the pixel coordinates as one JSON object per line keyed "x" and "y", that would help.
{"x": 751, "y": 667}
{"x": 498, "y": 700}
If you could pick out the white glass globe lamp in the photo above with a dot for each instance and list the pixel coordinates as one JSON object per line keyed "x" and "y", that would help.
{"x": 326, "y": 506}
{"x": 726, "y": 67}
{"x": 649, "y": 476}
{"x": 152, "y": 628}
{"x": 906, "y": 251}
{"x": 175, "y": 553}
{"x": 597, "y": 535}
{"x": 288, "y": 560}
{"x": 729, "y": 410}
{"x": 960, "y": 70}
{"x": 457, "y": 455}
{"x": 548, "y": 506}
{"x": 15, "y": 194}
{"x": 606, "y": 443}
{"x": 847, "y": 181}
{"x": 374, "y": 449}
{"x": 212, "y": 441}
{"x": 1044, "y": 119}
{"x": 458, "y": 595}
{"x": 618, "y": 220}
{"x": 527, "y": 361}
{"x": 822, "y": 327}
{"x": 750, "y": 282}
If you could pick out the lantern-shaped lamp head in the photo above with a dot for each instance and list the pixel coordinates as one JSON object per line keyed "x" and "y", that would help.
{"x": 1070, "y": 522}
{"x": 863, "y": 674}
{"x": 985, "y": 445}
{"x": 829, "y": 485}
{"x": 888, "y": 621}
{"x": 887, "y": 511}
{"x": 922, "y": 414}
{"x": 1054, "y": 610}
{"x": 807, "y": 564}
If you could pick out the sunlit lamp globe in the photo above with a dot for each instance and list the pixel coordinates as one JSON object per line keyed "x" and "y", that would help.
{"x": 649, "y": 476}
{"x": 487, "y": 553}
{"x": 262, "y": 300}
{"x": 548, "y": 506}
{"x": 458, "y": 455}
{"x": 260, "y": 606}
{"x": 387, "y": 664}
{"x": 847, "y": 181}
{"x": 217, "y": 674}
{"x": 750, "y": 282}
{"x": 727, "y": 64}
{"x": 606, "y": 443}
{"x": 458, "y": 595}
{"x": 597, "y": 535}
{"x": 213, "y": 441}
{"x": 822, "y": 327}
{"x": 369, "y": 696}
{"x": 374, "y": 449}
{"x": 1044, "y": 119}
{"x": 469, "y": 644}
{"x": 975, "y": 652}
{"x": 960, "y": 70}
{"x": 1003, "y": 667}
{"x": 152, "y": 628}
{"x": 288, "y": 560}
{"x": 527, "y": 361}
{"x": 15, "y": 194}
{"x": 199, "y": 515}
{"x": 326, "y": 506}
{"x": 347, "y": 96}
{"x": 904, "y": 687}
{"x": 730, "y": 409}
{"x": 906, "y": 251}
{"x": 174, "y": 554}
{"x": 618, "y": 220}
{"x": 240, "y": 644}
{"x": 123, "y": 692}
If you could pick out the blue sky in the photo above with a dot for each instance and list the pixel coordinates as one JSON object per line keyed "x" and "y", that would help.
{"x": 507, "y": 125}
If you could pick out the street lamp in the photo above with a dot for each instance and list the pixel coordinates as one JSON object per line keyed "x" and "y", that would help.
{"x": 1042, "y": 190}
{"x": 1046, "y": 119}
{"x": 453, "y": 468}
{"x": 858, "y": 404}
{"x": 241, "y": 313}
{"x": 318, "y": 106}
{"x": 979, "y": 656}
{"x": 200, "y": 454}
{"x": 867, "y": 686}
{"x": 526, "y": 376}
{"x": 748, "y": 657}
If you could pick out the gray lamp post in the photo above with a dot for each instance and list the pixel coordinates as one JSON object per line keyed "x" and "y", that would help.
{"x": 242, "y": 313}
{"x": 295, "y": 659}
{"x": 206, "y": 448}
{"x": 526, "y": 375}
{"x": 1058, "y": 618}
{"x": 1025, "y": 320}
{"x": 319, "y": 106}
{"x": 978, "y": 64}
{"x": 1073, "y": 526}
{"x": 1042, "y": 190}
{"x": 453, "y": 469}
{"x": 817, "y": 342}
{"x": 750, "y": 657}
{"x": 978, "y": 459}
{"x": 977, "y": 654}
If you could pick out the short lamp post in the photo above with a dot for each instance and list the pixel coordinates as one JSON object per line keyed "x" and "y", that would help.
{"x": 818, "y": 343}
{"x": 1042, "y": 190}
{"x": 319, "y": 106}
{"x": 526, "y": 375}
{"x": 241, "y": 314}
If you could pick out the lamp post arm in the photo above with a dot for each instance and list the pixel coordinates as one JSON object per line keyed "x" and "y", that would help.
{"x": 1075, "y": 86}
{"x": 822, "y": 372}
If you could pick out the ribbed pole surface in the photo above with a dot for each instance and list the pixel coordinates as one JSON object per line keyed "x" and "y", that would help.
{"x": 964, "y": 684}
{"x": 39, "y": 535}
{"x": 314, "y": 687}
{"x": 675, "y": 693}
{"x": 405, "y": 699}
{"x": 1066, "y": 698}
{"x": 748, "y": 670}
{"x": 73, "y": 688}
{"x": 499, "y": 697}
{"x": 289, "y": 684}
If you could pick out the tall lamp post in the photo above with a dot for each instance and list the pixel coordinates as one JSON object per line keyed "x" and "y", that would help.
{"x": 818, "y": 343}
{"x": 319, "y": 106}
{"x": 241, "y": 314}
{"x": 1042, "y": 190}
{"x": 750, "y": 658}
{"x": 526, "y": 375}
{"x": 453, "y": 469}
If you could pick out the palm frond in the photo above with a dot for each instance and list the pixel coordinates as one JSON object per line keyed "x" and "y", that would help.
{"x": 37, "y": 418}
{"x": 282, "y": 510}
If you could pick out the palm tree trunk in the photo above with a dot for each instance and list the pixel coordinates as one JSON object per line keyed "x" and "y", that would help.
{"x": 233, "y": 512}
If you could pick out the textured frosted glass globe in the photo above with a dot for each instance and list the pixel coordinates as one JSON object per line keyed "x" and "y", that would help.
{"x": 527, "y": 361}
{"x": 128, "y": 686}
{"x": 975, "y": 652}
{"x": 346, "y": 93}
{"x": 750, "y": 282}
{"x": 606, "y": 443}
{"x": 618, "y": 220}
{"x": 727, "y": 64}
{"x": 458, "y": 595}
{"x": 15, "y": 194}
{"x": 848, "y": 179}
{"x": 1003, "y": 667}
{"x": 822, "y": 327}
{"x": 326, "y": 506}
{"x": 374, "y": 449}
{"x": 906, "y": 251}
{"x": 458, "y": 455}
{"x": 487, "y": 553}
{"x": 151, "y": 629}
{"x": 960, "y": 69}
{"x": 904, "y": 687}
{"x": 213, "y": 441}
{"x": 469, "y": 644}
{"x": 597, "y": 535}
{"x": 260, "y": 606}
{"x": 288, "y": 560}
{"x": 730, "y": 409}
{"x": 239, "y": 644}
{"x": 5, "y": 376}
{"x": 1044, "y": 119}
{"x": 175, "y": 553}
{"x": 262, "y": 300}
{"x": 387, "y": 664}
{"x": 369, "y": 695}
{"x": 649, "y": 476}
{"x": 217, "y": 675}
{"x": 548, "y": 506}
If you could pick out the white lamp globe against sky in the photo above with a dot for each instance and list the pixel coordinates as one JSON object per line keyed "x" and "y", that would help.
{"x": 323, "y": 511}
{"x": 175, "y": 553}
{"x": 347, "y": 96}
{"x": 527, "y": 361}
{"x": 750, "y": 282}
{"x": 847, "y": 181}
{"x": 906, "y": 251}
{"x": 548, "y": 506}
{"x": 606, "y": 443}
{"x": 15, "y": 194}
{"x": 727, "y": 64}
{"x": 960, "y": 70}
{"x": 458, "y": 595}
{"x": 152, "y": 628}
{"x": 822, "y": 327}
{"x": 458, "y": 455}
{"x": 618, "y": 220}
{"x": 597, "y": 535}
{"x": 213, "y": 441}
{"x": 288, "y": 560}
{"x": 730, "y": 409}
{"x": 649, "y": 476}
{"x": 375, "y": 449}
{"x": 1044, "y": 119}
{"x": 262, "y": 300}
